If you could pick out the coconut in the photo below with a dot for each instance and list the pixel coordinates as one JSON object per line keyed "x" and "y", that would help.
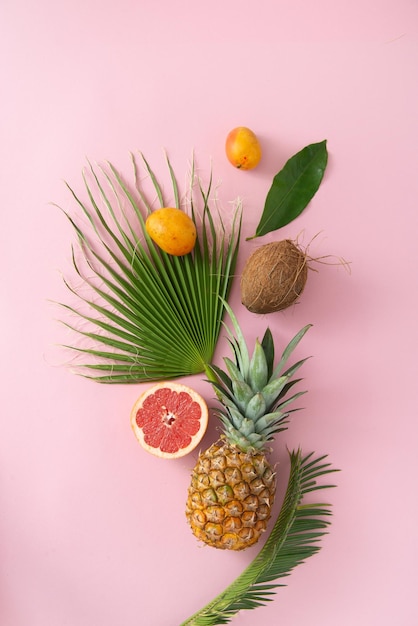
{"x": 273, "y": 277}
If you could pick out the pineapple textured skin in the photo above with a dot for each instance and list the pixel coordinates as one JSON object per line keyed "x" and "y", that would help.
{"x": 232, "y": 488}
{"x": 230, "y": 496}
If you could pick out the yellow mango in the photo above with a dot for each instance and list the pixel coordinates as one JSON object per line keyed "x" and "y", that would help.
{"x": 172, "y": 230}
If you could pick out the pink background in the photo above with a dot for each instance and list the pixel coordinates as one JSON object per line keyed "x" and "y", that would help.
{"x": 92, "y": 529}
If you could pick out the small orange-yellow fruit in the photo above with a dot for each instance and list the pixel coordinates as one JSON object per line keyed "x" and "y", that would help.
{"x": 172, "y": 230}
{"x": 243, "y": 149}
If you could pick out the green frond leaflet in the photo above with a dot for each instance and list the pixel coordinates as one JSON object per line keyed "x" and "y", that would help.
{"x": 294, "y": 538}
{"x": 146, "y": 315}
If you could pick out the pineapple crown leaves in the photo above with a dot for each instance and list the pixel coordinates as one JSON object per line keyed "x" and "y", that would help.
{"x": 252, "y": 391}
{"x": 147, "y": 315}
{"x": 294, "y": 538}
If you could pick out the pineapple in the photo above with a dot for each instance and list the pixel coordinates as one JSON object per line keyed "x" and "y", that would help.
{"x": 232, "y": 488}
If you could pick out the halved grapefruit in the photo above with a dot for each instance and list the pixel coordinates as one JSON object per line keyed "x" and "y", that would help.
{"x": 169, "y": 419}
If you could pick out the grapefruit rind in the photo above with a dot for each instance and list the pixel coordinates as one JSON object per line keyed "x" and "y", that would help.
{"x": 195, "y": 439}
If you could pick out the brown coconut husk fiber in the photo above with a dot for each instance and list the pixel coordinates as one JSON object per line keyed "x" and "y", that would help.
{"x": 273, "y": 277}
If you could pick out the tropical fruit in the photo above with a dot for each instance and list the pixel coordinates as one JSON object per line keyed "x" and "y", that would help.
{"x": 242, "y": 148}
{"x": 169, "y": 419}
{"x": 232, "y": 487}
{"x": 172, "y": 230}
{"x": 273, "y": 277}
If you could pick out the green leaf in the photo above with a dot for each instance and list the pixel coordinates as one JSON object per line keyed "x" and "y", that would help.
{"x": 258, "y": 370}
{"x": 294, "y": 538}
{"x": 268, "y": 347}
{"x": 145, "y": 315}
{"x": 242, "y": 394}
{"x": 256, "y": 407}
{"x": 238, "y": 343}
{"x": 287, "y": 352}
{"x": 293, "y": 188}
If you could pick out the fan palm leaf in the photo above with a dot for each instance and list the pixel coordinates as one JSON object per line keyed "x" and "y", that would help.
{"x": 142, "y": 314}
{"x": 294, "y": 538}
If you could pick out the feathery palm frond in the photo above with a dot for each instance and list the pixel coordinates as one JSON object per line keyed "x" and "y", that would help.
{"x": 147, "y": 315}
{"x": 294, "y": 538}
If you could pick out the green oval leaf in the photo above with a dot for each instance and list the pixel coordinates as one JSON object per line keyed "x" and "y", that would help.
{"x": 293, "y": 188}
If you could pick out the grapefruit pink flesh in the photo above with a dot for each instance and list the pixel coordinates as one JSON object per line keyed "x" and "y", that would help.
{"x": 170, "y": 419}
